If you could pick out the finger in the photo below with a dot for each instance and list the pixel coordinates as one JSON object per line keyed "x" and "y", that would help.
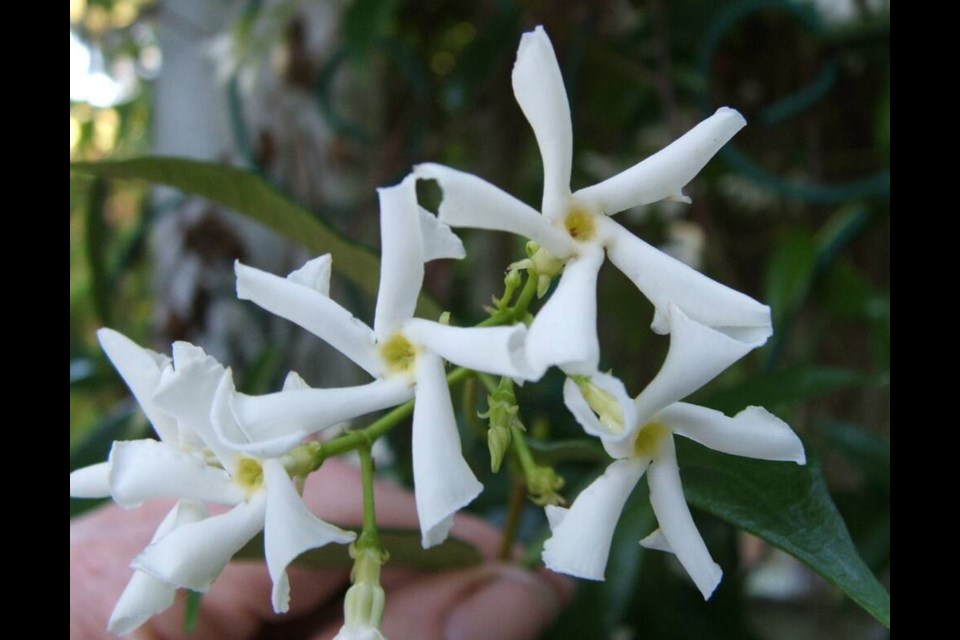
{"x": 335, "y": 494}
{"x": 494, "y": 601}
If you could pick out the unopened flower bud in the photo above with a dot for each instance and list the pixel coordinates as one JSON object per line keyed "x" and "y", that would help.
{"x": 498, "y": 441}
{"x": 543, "y": 484}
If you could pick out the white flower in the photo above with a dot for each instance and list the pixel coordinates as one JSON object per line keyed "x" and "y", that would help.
{"x": 193, "y": 464}
{"x": 582, "y": 534}
{"x": 576, "y": 228}
{"x": 404, "y": 354}
{"x": 260, "y": 489}
{"x": 142, "y": 370}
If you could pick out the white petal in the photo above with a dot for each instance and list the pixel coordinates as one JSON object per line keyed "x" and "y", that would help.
{"x": 469, "y": 201}
{"x": 753, "y": 433}
{"x": 146, "y": 469}
{"x": 442, "y": 481}
{"x": 676, "y": 523}
{"x": 580, "y": 544}
{"x": 272, "y": 424}
{"x": 666, "y": 280}
{"x": 293, "y": 382}
{"x": 439, "y": 241}
{"x": 314, "y": 274}
{"x": 402, "y": 257}
{"x": 192, "y": 556}
{"x": 142, "y": 370}
{"x": 496, "y": 350}
{"x": 187, "y": 395}
{"x": 578, "y": 406}
{"x": 313, "y": 311}
{"x": 564, "y": 331}
{"x": 290, "y": 529}
{"x": 538, "y": 86}
{"x": 555, "y": 515}
{"x": 145, "y": 596}
{"x": 91, "y": 482}
{"x": 697, "y": 354}
{"x": 657, "y": 541}
{"x": 665, "y": 173}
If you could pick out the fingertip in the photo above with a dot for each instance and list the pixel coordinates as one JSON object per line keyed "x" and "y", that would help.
{"x": 515, "y": 605}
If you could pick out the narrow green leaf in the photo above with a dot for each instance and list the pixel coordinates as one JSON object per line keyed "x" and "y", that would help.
{"x": 789, "y": 275}
{"x": 789, "y": 507}
{"x": 784, "y": 387}
{"x": 837, "y": 232}
{"x": 251, "y": 195}
{"x": 402, "y": 544}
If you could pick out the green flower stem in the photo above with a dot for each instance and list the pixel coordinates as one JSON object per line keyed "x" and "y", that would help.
{"x": 365, "y": 437}
{"x": 517, "y": 312}
{"x": 487, "y": 381}
{"x": 523, "y": 451}
{"x": 518, "y": 494}
{"x": 370, "y": 537}
{"x": 526, "y": 295}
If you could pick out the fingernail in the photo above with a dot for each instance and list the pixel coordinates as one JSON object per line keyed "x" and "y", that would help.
{"x": 515, "y": 605}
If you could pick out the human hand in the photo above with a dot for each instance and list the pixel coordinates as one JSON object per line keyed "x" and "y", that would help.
{"x": 494, "y": 600}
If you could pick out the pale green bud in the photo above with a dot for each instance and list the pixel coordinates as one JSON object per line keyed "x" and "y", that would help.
{"x": 543, "y": 484}
{"x": 498, "y": 441}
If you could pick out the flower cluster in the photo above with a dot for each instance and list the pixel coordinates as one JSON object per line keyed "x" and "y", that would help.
{"x": 251, "y": 453}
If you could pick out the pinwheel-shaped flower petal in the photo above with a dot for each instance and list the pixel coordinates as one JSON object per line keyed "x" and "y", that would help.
{"x": 401, "y": 352}
{"x": 577, "y": 227}
{"x": 582, "y": 534}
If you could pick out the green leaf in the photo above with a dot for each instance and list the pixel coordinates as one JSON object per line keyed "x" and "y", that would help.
{"x": 784, "y": 387}
{"x": 837, "y": 232}
{"x": 789, "y": 507}
{"x": 402, "y": 544}
{"x": 250, "y": 195}
{"x": 789, "y": 275}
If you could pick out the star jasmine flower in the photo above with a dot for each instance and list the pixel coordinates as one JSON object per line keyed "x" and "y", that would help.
{"x": 260, "y": 490}
{"x": 192, "y": 464}
{"x": 575, "y": 229}
{"x": 404, "y": 354}
{"x": 643, "y": 443}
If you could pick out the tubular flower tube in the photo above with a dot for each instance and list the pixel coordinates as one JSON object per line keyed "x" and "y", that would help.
{"x": 582, "y": 534}
{"x": 577, "y": 228}
{"x": 404, "y": 354}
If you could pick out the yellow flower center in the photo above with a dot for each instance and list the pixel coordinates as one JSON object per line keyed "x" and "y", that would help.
{"x": 399, "y": 354}
{"x": 580, "y": 225}
{"x": 249, "y": 474}
{"x": 647, "y": 444}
